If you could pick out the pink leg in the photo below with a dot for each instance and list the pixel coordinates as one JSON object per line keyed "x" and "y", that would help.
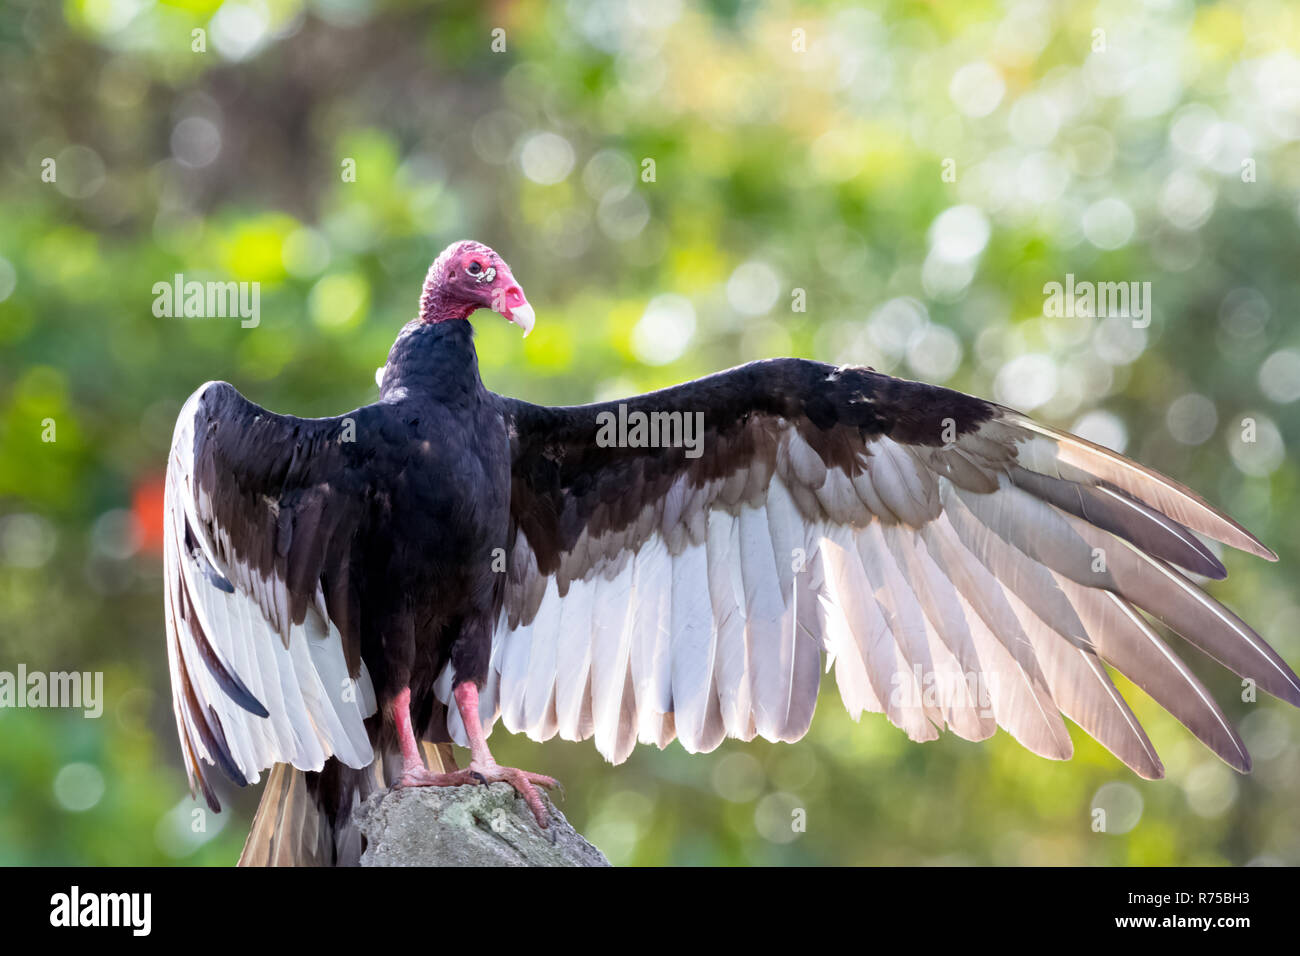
{"x": 482, "y": 767}
{"x": 414, "y": 773}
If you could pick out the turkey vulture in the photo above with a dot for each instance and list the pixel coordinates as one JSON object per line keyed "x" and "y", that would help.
{"x": 335, "y": 585}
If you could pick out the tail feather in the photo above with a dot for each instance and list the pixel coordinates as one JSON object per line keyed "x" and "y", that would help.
{"x": 306, "y": 819}
{"x": 289, "y": 829}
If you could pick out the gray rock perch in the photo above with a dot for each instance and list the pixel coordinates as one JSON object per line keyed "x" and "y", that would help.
{"x": 467, "y": 826}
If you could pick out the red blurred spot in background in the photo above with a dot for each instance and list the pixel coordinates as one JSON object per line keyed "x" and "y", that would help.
{"x": 147, "y": 507}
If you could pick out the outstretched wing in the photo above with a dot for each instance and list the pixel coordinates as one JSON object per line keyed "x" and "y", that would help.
{"x": 261, "y": 600}
{"x": 956, "y": 563}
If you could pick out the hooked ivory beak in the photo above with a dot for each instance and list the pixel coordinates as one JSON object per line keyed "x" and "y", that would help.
{"x": 523, "y": 316}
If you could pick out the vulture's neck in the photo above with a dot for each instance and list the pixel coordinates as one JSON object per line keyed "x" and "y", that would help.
{"x": 433, "y": 360}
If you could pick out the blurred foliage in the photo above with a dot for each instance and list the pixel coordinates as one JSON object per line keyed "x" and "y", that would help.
{"x": 919, "y": 170}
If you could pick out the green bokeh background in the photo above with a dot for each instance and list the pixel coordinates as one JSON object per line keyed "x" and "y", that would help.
{"x": 918, "y": 170}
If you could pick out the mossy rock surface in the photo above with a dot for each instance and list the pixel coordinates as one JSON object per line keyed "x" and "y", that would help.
{"x": 467, "y": 826}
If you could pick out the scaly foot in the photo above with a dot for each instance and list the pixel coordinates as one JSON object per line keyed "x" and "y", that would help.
{"x": 420, "y": 777}
{"x": 525, "y": 782}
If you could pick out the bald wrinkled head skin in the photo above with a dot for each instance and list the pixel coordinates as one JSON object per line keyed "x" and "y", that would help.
{"x": 468, "y": 276}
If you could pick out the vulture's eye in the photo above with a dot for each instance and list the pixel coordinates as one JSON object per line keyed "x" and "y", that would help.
{"x": 474, "y": 268}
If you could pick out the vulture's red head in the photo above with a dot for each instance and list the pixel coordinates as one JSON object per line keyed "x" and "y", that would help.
{"x": 469, "y": 276}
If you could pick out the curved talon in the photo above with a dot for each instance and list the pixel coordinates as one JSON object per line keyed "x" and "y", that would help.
{"x": 525, "y": 784}
{"x": 482, "y": 780}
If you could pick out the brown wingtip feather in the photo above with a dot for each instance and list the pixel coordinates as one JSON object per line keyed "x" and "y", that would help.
{"x": 1156, "y": 773}
{"x": 1171, "y": 498}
